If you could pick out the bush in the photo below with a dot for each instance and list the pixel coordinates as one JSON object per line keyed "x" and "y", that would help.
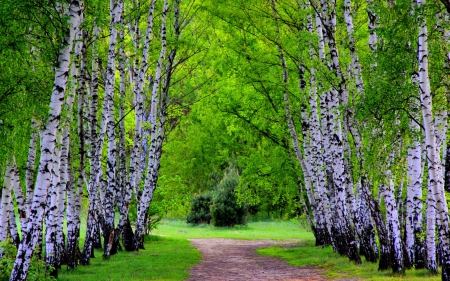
{"x": 225, "y": 210}
{"x": 200, "y": 209}
{"x": 38, "y": 269}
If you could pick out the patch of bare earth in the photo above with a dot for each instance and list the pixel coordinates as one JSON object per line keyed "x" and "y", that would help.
{"x": 236, "y": 260}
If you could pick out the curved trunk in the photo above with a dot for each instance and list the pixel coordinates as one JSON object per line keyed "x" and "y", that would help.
{"x": 34, "y": 226}
{"x": 153, "y": 161}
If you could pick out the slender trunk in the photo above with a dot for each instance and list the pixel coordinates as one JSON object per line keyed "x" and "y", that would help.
{"x": 13, "y": 230}
{"x": 437, "y": 198}
{"x": 431, "y": 262}
{"x": 34, "y": 226}
{"x": 393, "y": 223}
{"x": 108, "y": 202}
{"x": 5, "y": 208}
{"x": 51, "y": 251}
{"x": 96, "y": 148}
{"x": 343, "y": 229}
{"x": 153, "y": 161}
{"x": 123, "y": 190}
{"x": 368, "y": 245}
{"x": 133, "y": 183}
{"x": 73, "y": 225}
{"x": 74, "y": 193}
{"x": 20, "y": 200}
{"x": 30, "y": 169}
{"x": 413, "y": 228}
{"x": 324, "y": 233}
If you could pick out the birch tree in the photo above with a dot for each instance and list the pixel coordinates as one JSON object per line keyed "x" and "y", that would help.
{"x": 156, "y": 132}
{"x": 34, "y": 226}
{"x": 108, "y": 234}
{"x": 437, "y": 199}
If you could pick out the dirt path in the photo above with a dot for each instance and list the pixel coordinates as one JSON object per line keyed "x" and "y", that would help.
{"x": 236, "y": 260}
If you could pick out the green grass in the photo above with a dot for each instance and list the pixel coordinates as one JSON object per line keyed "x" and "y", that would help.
{"x": 163, "y": 259}
{"x": 168, "y": 254}
{"x": 336, "y": 266}
{"x": 277, "y": 230}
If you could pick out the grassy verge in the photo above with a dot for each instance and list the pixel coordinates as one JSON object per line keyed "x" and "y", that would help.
{"x": 164, "y": 258}
{"x": 336, "y": 266}
{"x": 276, "y": 230}
{"x": 168, "y": 254}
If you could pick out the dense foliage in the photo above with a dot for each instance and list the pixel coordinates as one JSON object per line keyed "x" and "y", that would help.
{"x": 335, "y": 111}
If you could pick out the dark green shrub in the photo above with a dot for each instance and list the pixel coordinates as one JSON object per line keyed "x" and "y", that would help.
{"x": 225, "y": 210}
{"x": 200, "y": 209}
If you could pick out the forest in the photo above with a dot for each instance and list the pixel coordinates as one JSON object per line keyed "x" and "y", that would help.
{"x": 115, "y": 114}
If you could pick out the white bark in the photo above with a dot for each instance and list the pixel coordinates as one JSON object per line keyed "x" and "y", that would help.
{"x": 30, "y": 168}
{"x": 13, "y": 230}
{"x": 437, "y": 198}
{"x": 51, "y": 220}
{"x": 20, "y": 199}
{"x": 414, "y": 199}
{"x": 123, "y": 190}
{"x": 431, "y": 262}
{"x": 153, "y": 161}
{"x": 67, "y": 182}
{"x": 392, "y": 219}
{"x": 116, "y": 9}
{"x": 134, "y": 177}
{"x": 346, "y": 240}
{"x": 95, "y": 141}
{"x": 4, "y": 207}
{"x": 34, "y": 226}
{"x": 373, "y": 23}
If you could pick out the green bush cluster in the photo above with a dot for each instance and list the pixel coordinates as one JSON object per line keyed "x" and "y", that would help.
{"x": 200, "y": 209}
{"x": 220, "y": 207}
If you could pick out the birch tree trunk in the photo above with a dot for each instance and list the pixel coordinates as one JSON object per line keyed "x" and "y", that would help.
{"x": 96, "y": 142}
{"x": 153, "y": 161}
{"x": 413, "y": 228}
{"x": 345, "y": 237}
{"x": 34, "y": 226}
{"x": 13, "y": 230}
{"x": 20, "y": 199}
{"x": 431, "y": 262}
{"x": 51, "y": 212}
{"x": 123, "y": 190}
{"x": 74, "y": 193}
{"x": 437, "y": 198}
{"x": 108, "y": 234}
{"x": 393, "y": 223}
{"x": 323, "y": 234}
{"x": 133, "y": 180}
{"x": 4, "y": 207}
{"x": 30, "y": 168}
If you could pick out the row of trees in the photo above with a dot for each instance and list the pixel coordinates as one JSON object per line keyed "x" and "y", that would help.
{"x": 358, "y": 107}
{"x": 119, "y": 72}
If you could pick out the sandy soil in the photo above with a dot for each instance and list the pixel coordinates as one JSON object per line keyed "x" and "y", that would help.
{"x": 236, "y": 260}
